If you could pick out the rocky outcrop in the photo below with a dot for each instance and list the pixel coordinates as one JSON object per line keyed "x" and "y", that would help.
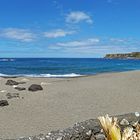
{"x": 133, "y": 55}
{"x": 86, "y": 130}
{"x": 35, "y": 87}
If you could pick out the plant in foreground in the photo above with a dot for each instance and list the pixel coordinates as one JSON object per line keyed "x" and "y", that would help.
{"x": 112, "y": 130}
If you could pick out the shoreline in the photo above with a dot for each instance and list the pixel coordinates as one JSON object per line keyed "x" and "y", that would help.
{"x": 90, "y": 75}
{"x": 65, "y": 101}
{"x": 82, "y": 76}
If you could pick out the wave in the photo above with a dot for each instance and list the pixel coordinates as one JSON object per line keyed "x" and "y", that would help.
{"x": 45, "y": 75}
{"x": 7, "y": 59}
{"x": 3, "y": 75}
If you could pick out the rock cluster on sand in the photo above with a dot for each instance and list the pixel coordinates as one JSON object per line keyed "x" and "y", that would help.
{"x": 35, "y": 87}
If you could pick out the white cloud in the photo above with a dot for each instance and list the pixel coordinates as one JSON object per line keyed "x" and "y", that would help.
{"x": 117, "y": 40}
{"x": 23, "y": 35}
{"x": 78, "y": 46}
{"x": 88, "y": 42}
{"x": 78, "y": 16}
{"x": 58, "y": 33}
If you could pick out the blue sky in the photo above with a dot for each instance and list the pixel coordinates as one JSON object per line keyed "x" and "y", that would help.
{"x": 68, "y": 28}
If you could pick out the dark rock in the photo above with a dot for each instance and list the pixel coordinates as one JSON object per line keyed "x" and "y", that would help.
{"x": 12, "y": 95}
{"x": 20, "y": 88}
{"x": 3, "y": 103}
{"x": 21, "y": 82}
{"x": 11, "y": 82}
{"x": 7, "y": 77}
{"x": 35, "y": 87}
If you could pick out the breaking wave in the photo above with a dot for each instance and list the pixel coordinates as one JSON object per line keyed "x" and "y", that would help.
{"x": 6, "y": 59}
{"x": 46, "y": 75}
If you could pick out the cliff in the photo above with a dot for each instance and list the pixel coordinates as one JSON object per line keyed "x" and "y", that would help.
{"x": 133, "y": 55}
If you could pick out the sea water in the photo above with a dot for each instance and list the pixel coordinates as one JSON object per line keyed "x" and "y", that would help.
{"x": 64, "y": 67}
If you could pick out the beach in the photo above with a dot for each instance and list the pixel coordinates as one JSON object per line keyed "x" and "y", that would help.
{"x": 65, "y": 101}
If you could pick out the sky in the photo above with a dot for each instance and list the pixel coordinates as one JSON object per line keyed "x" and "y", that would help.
{"x": 68, "y": 28}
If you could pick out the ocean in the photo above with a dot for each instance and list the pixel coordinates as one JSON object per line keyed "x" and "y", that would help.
{"x": 64, "y": 67}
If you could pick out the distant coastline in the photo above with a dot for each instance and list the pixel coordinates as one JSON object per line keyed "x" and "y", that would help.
{"x": 133, "y": 55}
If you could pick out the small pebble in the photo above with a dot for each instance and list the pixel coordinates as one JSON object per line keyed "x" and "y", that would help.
{"x": 59, "y": 138}
{"x": 15, "y": 86}
{"x": 134, "y": 123}
{"x": 49, "y": 134}
{"x": 89, "y": 133}
{"x": 124, "y": 122}
{"x": 100, "y": 137}
{"x": 137, "y": 114}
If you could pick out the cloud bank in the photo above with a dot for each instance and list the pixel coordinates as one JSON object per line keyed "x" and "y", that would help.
{"x": 98, "y": 46}
{"x": 88, "y": 42}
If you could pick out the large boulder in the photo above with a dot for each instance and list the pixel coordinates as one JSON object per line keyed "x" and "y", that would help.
{"x": 3, "y": 103}
{"x": 35, "y": 87}
{"x": 11, "y": 82}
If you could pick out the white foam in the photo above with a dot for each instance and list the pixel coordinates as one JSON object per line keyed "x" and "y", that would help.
{"x": 55, "y": 75}
{"x": 45, "y": 75}
{"x": 6, "y": 59}
{"x": 3, "y": 74}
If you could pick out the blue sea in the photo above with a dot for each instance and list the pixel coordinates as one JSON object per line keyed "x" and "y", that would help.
{"x": 64, "y": 67}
